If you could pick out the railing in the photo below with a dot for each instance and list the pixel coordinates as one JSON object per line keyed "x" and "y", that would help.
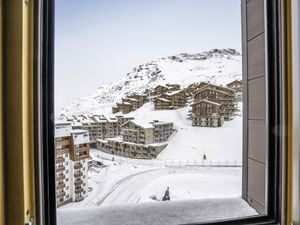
{"x": 60, "y": 169}
{"x": 172, "y": 162}
{"x": 78, "y": 174}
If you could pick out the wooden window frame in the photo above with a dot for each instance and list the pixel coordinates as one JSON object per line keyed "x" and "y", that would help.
{"x": 44, "y": 114}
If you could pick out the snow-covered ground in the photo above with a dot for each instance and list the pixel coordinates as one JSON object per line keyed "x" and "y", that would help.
{"x": 188, "y": 142}
{"x": 165, "y": 213}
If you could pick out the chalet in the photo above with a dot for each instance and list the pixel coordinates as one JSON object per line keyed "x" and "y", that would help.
{"x": 178, "y": 98}
{"x": 173, "y": 87}
{"x": 134, "y": 102}
{"x": 162, "y": 104}
{"x": 237, "y": 85}
{"x": 126, "y": 107}
{"x": 206, "y": 113}
{"x": 189, "y": 90}
{"x": 227, "y": 100}
{"x": 214, "y": 86}
{"x": 159, "y": 90}
{"x": 141, "y": 98}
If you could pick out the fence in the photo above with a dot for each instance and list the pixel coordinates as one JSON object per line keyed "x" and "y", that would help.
{"x": 172, "y": 162}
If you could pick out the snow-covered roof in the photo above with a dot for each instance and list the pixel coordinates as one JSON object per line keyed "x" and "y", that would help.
{"x": 163, "y": 99}
{"x": 157, "y": 122}
{"x": 131, "y": 99}
{"x": 80, "y": 136}
{"x": 213, "y": 89}
{"x": 140, "y": 123}
{"x": 78, "y": 131}
{"x": 235, "y": 81}
{"x": 127, "y": 103}
{"x": 207, "y": 101}
{"x": 173, "y": 92}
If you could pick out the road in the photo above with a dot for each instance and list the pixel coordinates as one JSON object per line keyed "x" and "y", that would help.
{"x": 129, "y": 189}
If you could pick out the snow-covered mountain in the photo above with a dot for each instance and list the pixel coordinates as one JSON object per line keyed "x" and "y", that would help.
{"x": 219, "y": 66}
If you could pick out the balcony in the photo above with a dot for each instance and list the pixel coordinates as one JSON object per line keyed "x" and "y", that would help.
{"x": 60, "y": 169}
{"x": 59, "y": 178}
{"x": 79, "y": 174}
{"x": 78, "y": 190}
{"x": 78, "y": 182}
{"x": 79, "y": 199}
{"x": 60, "y": 195}
{"x": 61, "y": 186}
{"x": 77, "y": 166}
{"x": 60, "y": 160}
{"x": 62, "y": 143}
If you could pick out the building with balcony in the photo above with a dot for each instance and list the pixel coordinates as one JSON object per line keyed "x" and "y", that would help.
{"x": 206, "y": 114}
{"x": 62, "y": 150}
{"x": 79, "y": 155}
{"x": 170, "y": 100}
{"x": 117, "y": 146}
{"x": 225, "y": 98}
{"x": 98, "y": 126}
{"x": 237, "y": 85}
{"x": 72, "y": 152}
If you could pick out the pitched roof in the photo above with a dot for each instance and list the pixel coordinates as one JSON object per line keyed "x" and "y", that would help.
{"x": 207, "y": 101}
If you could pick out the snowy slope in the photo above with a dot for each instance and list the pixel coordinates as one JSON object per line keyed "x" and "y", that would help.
{"x": 188, "y": 142}
{"x": 216, "y": 66}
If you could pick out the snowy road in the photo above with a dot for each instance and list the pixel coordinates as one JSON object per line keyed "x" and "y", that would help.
{"x": 129, "y": 190}
{"x": 184, "y": 183}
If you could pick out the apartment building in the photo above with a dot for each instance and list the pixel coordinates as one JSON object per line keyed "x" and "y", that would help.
{"x": 117, "y": 146}
{"x": 63, "y": 173}
{"x": 139, "y": 139}
{"x": 170, "y": 100}
{"x": 130, "y": 103}
{"x": 226, "y": 99}
{"x": 98, "y": 126}
{"x": 138, "y": 131}
{"x": 162, "y": 104}
{"x": 79, "y": 155}
{"x": 202, "y": 85}
{"x": 162, "y": 130}
{"x": 237, "y": 85}
{"x": 72, "y": 153}
{"x": 206, "y": 113}
{"x": 121, "y": 119}
{"x": 159, "y": 90}
{"x": 173, "y": 87}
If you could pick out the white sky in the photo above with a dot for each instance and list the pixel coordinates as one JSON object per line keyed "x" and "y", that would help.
{"x": 98, "y": 41}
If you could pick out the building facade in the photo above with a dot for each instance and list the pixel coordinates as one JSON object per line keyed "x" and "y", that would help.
{"x": 226, "y": 99}
{"x": 79, "y": 155}
{"x": 72, "y": 153}
{"x": 237, "y": 85}
{"x": 98, "y": 126}
{"x": 206, "y": 114}
{"x": 117, "y": 146}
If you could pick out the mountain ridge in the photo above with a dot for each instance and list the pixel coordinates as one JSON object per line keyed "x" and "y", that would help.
{"x": 218, "y": 66}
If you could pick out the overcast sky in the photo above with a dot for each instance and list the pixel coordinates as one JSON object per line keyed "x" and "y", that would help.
{"x": 99, "y": 41}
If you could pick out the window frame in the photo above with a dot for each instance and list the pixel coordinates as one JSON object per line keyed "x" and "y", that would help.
{"x": 44, "y": 114}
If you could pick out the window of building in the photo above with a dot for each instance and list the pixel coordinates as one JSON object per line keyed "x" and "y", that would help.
{"x": 262, "y": 86}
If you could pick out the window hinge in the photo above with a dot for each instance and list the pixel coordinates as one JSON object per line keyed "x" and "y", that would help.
{"x": 30, "y": 222}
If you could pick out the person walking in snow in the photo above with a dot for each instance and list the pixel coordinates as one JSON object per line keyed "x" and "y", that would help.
{"x": 167, "y": 195}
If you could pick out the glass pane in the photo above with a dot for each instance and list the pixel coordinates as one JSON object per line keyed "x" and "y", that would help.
{"x": 149, "y": 112}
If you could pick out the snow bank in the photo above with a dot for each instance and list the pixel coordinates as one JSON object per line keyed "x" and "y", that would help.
{"x": 166, "y": 213}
